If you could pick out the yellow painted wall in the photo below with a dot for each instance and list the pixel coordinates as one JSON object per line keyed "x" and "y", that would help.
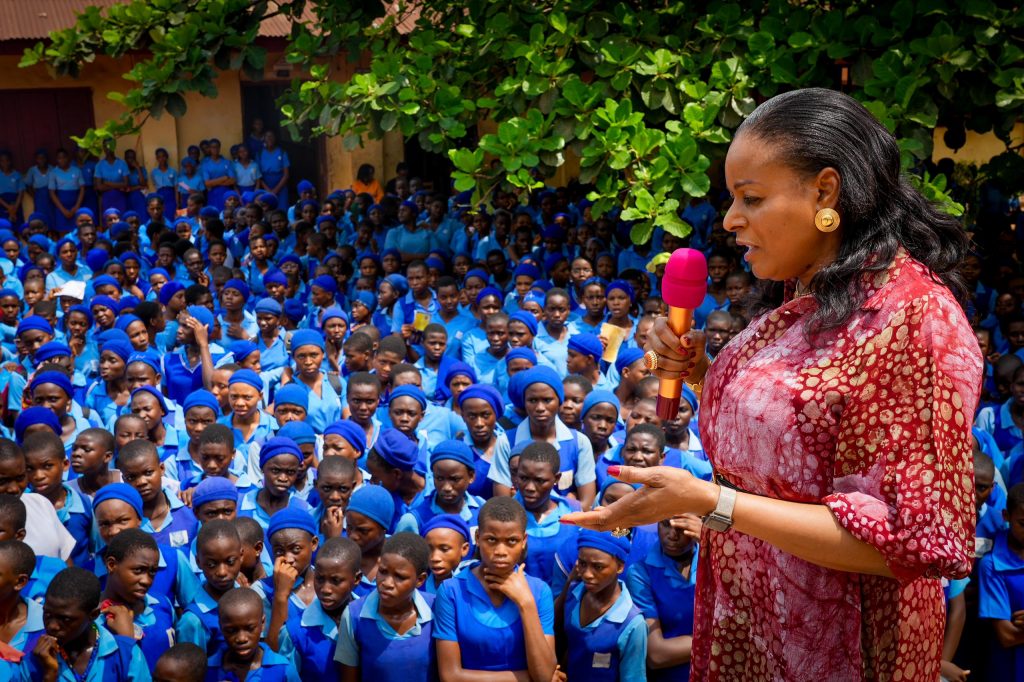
{"x": 979, "y": 148}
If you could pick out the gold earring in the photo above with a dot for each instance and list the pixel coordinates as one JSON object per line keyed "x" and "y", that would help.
{"x": 826, "y": 220}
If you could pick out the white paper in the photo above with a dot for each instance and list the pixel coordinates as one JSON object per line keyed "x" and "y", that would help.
{"x": 73, "y": 289}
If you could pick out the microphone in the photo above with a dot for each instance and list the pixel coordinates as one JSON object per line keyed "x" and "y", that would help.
{"x": 683, "y": 288}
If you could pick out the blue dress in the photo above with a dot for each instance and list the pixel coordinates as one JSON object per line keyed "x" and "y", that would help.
{"x": 11, "y": 184}
{"x": 273, "y": 668}
{"x": 367, "y": 641}
{"x": 137, "y": 197}
{"x": 212, "y": 169}
{"x": 1000, "y": 594}
{"x": 115, "y": 171}
{"x": 165, "y": 182}
{"x": 272, "y": 165}
{"x": 611, "y": 648}
{"x": 66, "y": 183}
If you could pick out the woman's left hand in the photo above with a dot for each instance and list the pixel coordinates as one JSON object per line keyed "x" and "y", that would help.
{"x": 666, "y": 492}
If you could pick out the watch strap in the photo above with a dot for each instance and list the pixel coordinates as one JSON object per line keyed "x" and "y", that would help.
{"x": 721, "y": 518}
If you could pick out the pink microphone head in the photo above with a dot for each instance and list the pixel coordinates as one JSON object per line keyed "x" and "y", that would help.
{"x": 686, "y": 279}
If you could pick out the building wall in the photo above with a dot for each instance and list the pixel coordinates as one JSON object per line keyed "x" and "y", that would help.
{"x": 978, "y": 149}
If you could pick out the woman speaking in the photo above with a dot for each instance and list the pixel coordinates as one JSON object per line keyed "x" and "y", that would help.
{"x": 838, "y": 422}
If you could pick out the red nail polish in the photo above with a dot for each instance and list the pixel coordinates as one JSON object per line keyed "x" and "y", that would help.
{"x": 613, "y": 470}
{"x": 567, "y": 522}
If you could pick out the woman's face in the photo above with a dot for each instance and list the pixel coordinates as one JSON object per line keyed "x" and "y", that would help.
{"x": 502, "y": 544}
{"x": 146, "y": 407}
{"x": 541, "y": 404}
{"x": 68, "y": 254}
{"x": 244, "y": 399}
{"x": 773, "y": 211}
{"x": 641, "y": 450}
{"x": 618, "y": 303}
{"x": 138, "y": 336}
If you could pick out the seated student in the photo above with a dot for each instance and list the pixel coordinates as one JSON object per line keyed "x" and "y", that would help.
{"x": 663, "y": 587}
{"x": 492, "y": 616}
{"x": 183, "y": 662}
{"x": 990, "y": 501}
{"x": 481, "y": 407}
{"x": 117, "y": 507}
{"x": 256, "y": 561}
{"x": 46, "y": 464}
{"x": 387, "y": 635}
{"x": 242, "y": 621}
{"x": 606, "y": 636}
{"x": 217, "y": 456}
{"x": 310, "y": 640}
{"x": 166, "y": 517}
{"x": 451, "y": 466}
{"x": 132, "y": 560}
{"x": 336, "y": 478}
{"x": 362, "y": 399}
{"x": 391, "y": 463}
{"x": 280, "y": 461}
{"x": 576, "y": 388}
{"x": 219, "y": 557}
{"x": 1000, "y": 580}
{"x": 249, "y": 423}
{"x": 22, "y": 617}
{"x": 72, "y": 647}
{"x": 367, "y": 519}
{"x": 584, "y": 358}
{"x": 324, "y": 401}
{"x": 540, "y": 391}
{"x": 449, "y": 539}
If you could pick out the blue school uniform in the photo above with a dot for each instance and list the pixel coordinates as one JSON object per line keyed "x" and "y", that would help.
{"x": 11, "y": 184}
{"x": 273, "y": 164}
{"x": 1000, "y": 593}
{"x": 367, "y": 641}
{"x": 247, "y": 506}
{"x": 575, "y": 452}
{"x": 76, "y": 517}
{"x": 247, "y": 176}
{"x": 547, "y": 535}
{"x": 178, "y": 527}
{"x": 39, "y": 182}
{"x": 660, "y": 592}
{"x": 310, "y": 642}
{"x": 199, "y": 624}
{"x": 174, "y": 583}
{"x": 116, "y": 658}
{"x": 156, "y": 624}
{"x": 46, "y": 567}
{"x": 180, "y": 378}
{"x": 324, "y": 409}
{"x": 611, "y": 648}
{"x": 33, "y": 626}
{"x": 440, "y": 424}
{"x": 189, "y": 184}
{"x": 457, "y": 327}
{"x": 557, "y": 352}
{"x": 213, "y": 169}
{"x": 990, "y": 521}
{"x": 273, "y": 668}
{"x": 89, "y": 201}
{"x": 421, "y": 513}
{"x": 489, "y": 637}
{"x": 66, "y": 184}
{"x": 165, "y": 182}
{"x": 273, "y": 356}
{"x": 264, "y": 430}
{"x": 137, "y": 197}
{"x": 115, "y": 171}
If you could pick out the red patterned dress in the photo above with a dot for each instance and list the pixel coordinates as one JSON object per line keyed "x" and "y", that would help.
{"x": 875, "y": 423}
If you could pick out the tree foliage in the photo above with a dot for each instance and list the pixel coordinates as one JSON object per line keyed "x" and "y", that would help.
{"x": 646, "y": 94}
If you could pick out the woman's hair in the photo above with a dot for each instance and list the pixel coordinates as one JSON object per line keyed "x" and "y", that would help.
{"x": 364, "y": 173}
{"x": 816, "y": 128}
{"x": 502, "y": 510}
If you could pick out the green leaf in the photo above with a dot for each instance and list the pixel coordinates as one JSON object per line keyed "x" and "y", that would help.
{"x": 800, "y": 40}
{"x": 559, "y": 22}
{"x": 175, "y": 105}
{"x": 644, "y": 201}
{"x": 761, "y": 42}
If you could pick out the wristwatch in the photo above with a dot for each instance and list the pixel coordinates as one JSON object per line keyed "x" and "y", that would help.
{"x": 721, "y": 518}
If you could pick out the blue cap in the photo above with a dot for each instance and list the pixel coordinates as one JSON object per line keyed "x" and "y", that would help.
{"x": 279, "y": 446}
{"x": 597, "y": 397}
{"x": 239, "y": 286}
{"x": 31, "y": 416}
{"x": 541, "y": 374}
{"x": 626, "y": 357}
{"x": 367, "y": 299}
{"x": 59, "y": 379}
{"x": 300, "y": 432}
{"x": 248, "y": 377}
{"x": 119, "y": 347}
{"x": 34, "y": 322}
{"x": 243, "y": 349}
{"x": 451, "y": 522}
{"x": 104, "y": 281}
{"x": 489, "y": 394}
{"x": 148, "y": 357}
{"x": 587, "y": 344}
{"x": 604, "y": 542}
{"x": 289, "y": 518}
{"x": 521, "y": 353}
{"x": 293, "y": 393}
{"x": 51, "y": 350}
{"x": 350, "y": 431}
{"x": 212, "y": 489}
{"x": 375, "y": 503}
{"x": 623, "y": 286}
{"x": 201, "y": 398}
{"x": 269, "y": 306}
{"x": 410, "y": 391}
{"x": 527, "y": 318}
{"x": 105, "y": 302}
{"x": 306, "y": 337}
{"x": 168, "y": 290}
{"x": 326, "y": 282}
{"x": 119, "y": 491}
{"x": 153, "y": 392}
{"x": 275, "y": 277}
{"x": 526, "y": 270}
{"x": 295, "y": 310}
{"x": 455, "y": 450}
{"x": 689, "y": 396}
{"x": 458, "y": 369}
{"x": 397, "y": 449}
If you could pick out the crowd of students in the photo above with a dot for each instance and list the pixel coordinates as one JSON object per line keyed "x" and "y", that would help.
{"x": 255, "y": 439}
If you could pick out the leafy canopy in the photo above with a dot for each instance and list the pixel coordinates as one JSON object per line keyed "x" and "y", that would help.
{"x": 646, "y": 94}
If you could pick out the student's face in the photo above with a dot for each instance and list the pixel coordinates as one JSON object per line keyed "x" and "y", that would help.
{"x": 447, "y": 550}
{"x": 1015, "y": 335}
{"x": 673, "y": 539}
{"x": 618, "y": 303}
{"x": 333, "y": 582}
{"x": 133, "y": 576}
{"x": 434, "y": 345}
{"x": 335, "y": 329}
{"x": 596, "y": 569}
{"x": 65, "y": 619}
{"x": 220, "y": 560}
{"x": 52, "y": 397}
{"x": 13, "y": 476}
{"x": 140, "y": 374}
{"x": 635, "y": 372}
{"x": 451, "y": 481}
{"x": 489, "y": 305}
{"x": 523, "y": 284}
{"x": 578, "y": 363}
{"x": 570, "y": 409}
{"x": 383, "y": 361}
{"x": 644, "y": 412}
{"x": 356, "y": 360}
{"x": 417, "y": 279}
{"x": 718, "y": 331}
{"x": 675, "y": 428}
{"x": 397, "y": 579}
{"x": 335, "y": 489}
{"x": 196, "y": 421}
{"x": 128, "y": 430}
{"x": 286, "y": 412}
{"x": 641, "y": 450}
{"x": 215, "y": 458}
{"x": 242, "y": 627}
{"x": 295, "y": 546}
{"x": 502, "y": 544}
{"x": 87, "y": 455}
{"x": 244, "y": 399}
{"x": 10, "y": 306}
{"x": 32, "y": 339}
{"x": 363, "y": 400}
{"x": 983, "y": 482}
{"x": 594, "y": 300}
{"x": 406, "y": 414}
{"x": 535, "y": 482}
{"x": 600, "y": 421}
{"x": 147, "y": 408}
{"x": 480, "y": 418}
{"x": 114, "y": 516}
{"x": 143, "y": 474}
{"x": 364, "y": 531}
{"x": 519, "y": 335}
{"x": 45, "y": 471}
{"x": 279, "y": 475}
{"x": 497, "y": 334}
{"x": 541, "y": 404}
{"x": 556, "y": 311}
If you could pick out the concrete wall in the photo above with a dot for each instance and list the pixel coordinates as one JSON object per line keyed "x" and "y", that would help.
{"x": 978, "y": 149}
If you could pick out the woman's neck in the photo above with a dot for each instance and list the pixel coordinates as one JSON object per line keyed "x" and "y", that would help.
{"x": 601, "y": 600}
{"x": 681, "y": 442}
{"x": 77, "y": 646}
{"x": 156, "y": 508}
{"x": 234, "y": 315}
{"x": 544, "y": 508}
{"x": 91, "y": 481}
{"x": 114, "y": 593}
{"x": 600, "y": 446}
{"x": 157, "y": 434}
{"x": 543, "y": 433}
{"x": 245, "y": 419}
{"x": 269, "y": 503}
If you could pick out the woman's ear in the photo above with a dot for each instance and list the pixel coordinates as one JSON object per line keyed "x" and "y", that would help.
{"x": 827, "y": 184}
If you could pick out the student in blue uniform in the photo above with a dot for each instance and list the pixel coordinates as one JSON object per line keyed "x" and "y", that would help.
{"x": 663, "y": 587}
{"x": 605, "y": 632}
{"x": 391, "y": 462}
{"x": 166, "y": 517}
{"x": 218, "y": 175}
{"x": 183, "y": 662}
{"x": 492, "y": 616}
{"x": 37, "y": 178}
{"x": 451, "y": 466}
{"x": 386, "y": 637}
{"x": 1001, "y": 591}
{"x": 67, "y": 191}
{"x": 367, "y": 519}
{"x": 132, "y": 561}
{"x": 165, "y": 181}
{"x": 274, "y": 168}
{"x": 293, "y": 542}
{"x": 313, "y": 637}
{"x": 307, "y": 349}
{"x": 481, "y": 407}
{"x": 46, "y": 463}
{"x": 243, "y": 655}
{"x": 111, "y": 181}
{"x": 73, "y": 647}
{"x": 449, "y": 538}
{"x": 218, "y": 553}
{"x": 12, "y": 189}
{"x": 280, "y": 461}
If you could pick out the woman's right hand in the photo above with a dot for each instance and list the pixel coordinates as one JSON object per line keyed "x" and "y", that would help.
{"x": 678, "y": 356}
